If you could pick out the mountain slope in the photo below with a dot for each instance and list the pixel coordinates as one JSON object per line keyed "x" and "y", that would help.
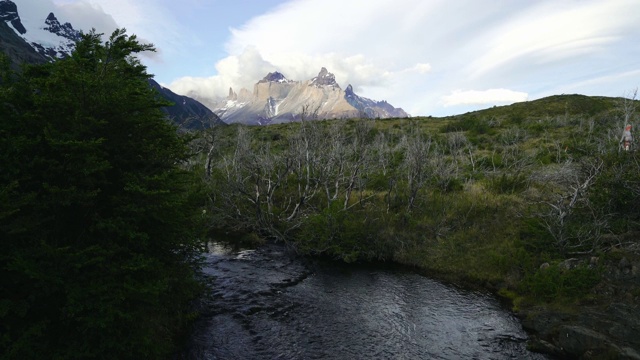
{"x": 17, "y": 49}
{"x": 275, "y": 99}
{"x": 186, "y": 112}
{"x": 53, "y": 40}
{"x": 50, "y": 39}
{"x": 371, "y": 108}
{"x": 11, "y": 43}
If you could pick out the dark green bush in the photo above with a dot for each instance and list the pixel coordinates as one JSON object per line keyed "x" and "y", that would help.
{"x": 469, "y": 123}
{"x": 508, "y": 183}
{"x": 555, "y": 282}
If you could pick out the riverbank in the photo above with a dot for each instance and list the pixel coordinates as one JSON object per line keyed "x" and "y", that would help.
{"x": 603, "y": 324}
{"x": 582, "y": 307}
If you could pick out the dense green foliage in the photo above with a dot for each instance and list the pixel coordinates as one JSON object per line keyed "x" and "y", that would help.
{"x": 98, "y": 219}
{"x": 487, "y": 196}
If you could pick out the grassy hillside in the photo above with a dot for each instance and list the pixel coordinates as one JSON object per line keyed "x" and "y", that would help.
{"x": 487, "y": 196}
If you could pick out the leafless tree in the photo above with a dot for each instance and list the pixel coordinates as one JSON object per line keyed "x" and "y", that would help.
{"x": 381, "y": 155}
{"x": 304, "y": 150}
{"x": 235, "y": 190}
{"x": 513, "y": 136}
{"x": 457, "y": 143}
{"x": 579, "y": 180}
{"x": 416, "y": 157}
{"x": 445, "y": 169}
{"x": 515, "y": 159}
{"x": 309, "y": 113}
{"x": 382, "y": 151}
{"x": 332, "y": 159}
{"x": 358, "y": 157}
{"x": 628, "y": 105}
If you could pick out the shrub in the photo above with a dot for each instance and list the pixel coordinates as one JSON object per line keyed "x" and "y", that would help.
{"x": 557, "y": 282}
{"x": 508, "y": 183}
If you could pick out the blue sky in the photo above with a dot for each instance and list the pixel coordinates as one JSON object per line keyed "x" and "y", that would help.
{"x": 430, "y": 57}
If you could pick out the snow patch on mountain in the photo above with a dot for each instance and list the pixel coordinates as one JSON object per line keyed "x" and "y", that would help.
{"x": 46, "y": 35}
{"x": 274, "y": 77}
{"x": 325, "y": 78}
{"x": 275, "y": 99}
{"x": 9, "y": 14}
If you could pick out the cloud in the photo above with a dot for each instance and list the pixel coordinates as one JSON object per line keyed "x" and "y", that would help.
{"x": 550, "y": 32}
{"x": 383, "y": 50}
{"x": 418, "y": 59}
{"x": 415, "y": 54}
{"x": 233, "y": 71}
{"x": 245, "y": 69}
{"x": 151, "y": 23}
{"x": 485, "y": 97}
{"x": 359, "y": 44}
{"x": 613, "y": 84}
{"x": 421, "y": 68}
{"x": 86, "y": 16}
{"x": 382, "y": 32}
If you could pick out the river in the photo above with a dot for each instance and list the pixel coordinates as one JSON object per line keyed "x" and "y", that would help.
{"x": 268, "y": 304}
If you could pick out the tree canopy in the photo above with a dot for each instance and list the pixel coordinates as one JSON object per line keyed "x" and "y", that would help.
{"x": 98, "y": 219}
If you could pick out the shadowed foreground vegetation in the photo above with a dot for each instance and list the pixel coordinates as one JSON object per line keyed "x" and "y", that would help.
{"x": 485, "y": 197}
{"x": 99, "y": 219}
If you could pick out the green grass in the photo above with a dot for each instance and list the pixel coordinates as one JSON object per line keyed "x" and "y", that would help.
{"x": 481, "y": 211}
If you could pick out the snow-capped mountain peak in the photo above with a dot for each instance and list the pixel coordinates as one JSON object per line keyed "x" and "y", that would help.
{"x": 9, "y": 14}
{"x": 277, "y": 100}
{"x": 63, "y": 30}
{"x": 274, "y": 77}
{"x": 40, "y": 40}
{"x": 49, "y": 38}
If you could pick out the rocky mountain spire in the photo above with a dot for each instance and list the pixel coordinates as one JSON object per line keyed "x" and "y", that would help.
{"x": 372, "y": 108}
{"x": 274, "y": 77}
{"x": 64, "y": 30}
{"x": 9, "y": 13}
{"x": 277, "y": 100}
{"x": 348, "y": 92}
{"x": 325, "y": 78}
{"x": 51, "y": 40}
{"x": 232, "y": 95}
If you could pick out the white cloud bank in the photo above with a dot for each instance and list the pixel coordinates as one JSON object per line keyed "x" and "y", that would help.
{"x": 418, "y": 54}
{"x": 83, "y": 15}
{"x": 245, "y": 69}
{"x": 415, "y": 54}
{"x": 486, "y": 97}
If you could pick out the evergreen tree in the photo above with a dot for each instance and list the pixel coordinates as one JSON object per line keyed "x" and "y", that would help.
{"x": 97, "y": 218}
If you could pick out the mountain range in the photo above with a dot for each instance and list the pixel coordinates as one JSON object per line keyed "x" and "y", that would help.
{"x": 276, "y": 99}
{"x": 53, "y": 40}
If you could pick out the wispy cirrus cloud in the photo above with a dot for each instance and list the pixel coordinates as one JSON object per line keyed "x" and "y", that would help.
{"x": 552, "y": 32}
